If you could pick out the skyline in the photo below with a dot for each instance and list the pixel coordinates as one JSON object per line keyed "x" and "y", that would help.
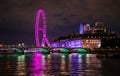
{"x": 17, "y": 18}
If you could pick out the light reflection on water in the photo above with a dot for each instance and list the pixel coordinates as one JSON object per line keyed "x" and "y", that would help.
{"x": 20, "y": 70}
{"x": 37, "y": 64}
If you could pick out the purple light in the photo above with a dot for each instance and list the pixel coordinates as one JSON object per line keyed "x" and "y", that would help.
{"x": 37, "y": 65}
{"x": 81, "y": 28}
{"x": 75, "y": 43}
{"x": 69, "y": 44}
{"x": 54, "y": 45}
{"x": 42, "y": 29}
{"x": 63, "y": 44}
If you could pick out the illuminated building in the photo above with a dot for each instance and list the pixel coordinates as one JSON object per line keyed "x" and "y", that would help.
{"x": 85, "y": 28}
{"x": 76, "y": 43}
{"x": 99, "y": 27}
{"x": 81, "y": 28}
{"x": 88, "y": 37}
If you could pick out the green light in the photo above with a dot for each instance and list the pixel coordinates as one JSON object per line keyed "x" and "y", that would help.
{"x": 63, "y": 50}
{"x": 82, "y": 51}
{"x": 21, "y": 58}
{"x": 17, "y": 50}
{"x": 44, "y": 50}
{"x": 63, "y": 55}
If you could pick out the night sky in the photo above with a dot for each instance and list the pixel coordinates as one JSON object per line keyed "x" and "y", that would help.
{"x": 17, "y": 17}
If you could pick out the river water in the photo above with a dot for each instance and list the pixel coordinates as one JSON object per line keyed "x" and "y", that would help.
{"x": 56, "y": 64}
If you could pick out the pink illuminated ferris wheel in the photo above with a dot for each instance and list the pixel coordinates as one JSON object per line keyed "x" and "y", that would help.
{"x": 40, "y": 29}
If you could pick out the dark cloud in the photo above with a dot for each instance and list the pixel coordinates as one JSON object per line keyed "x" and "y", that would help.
{"x": 61, "y": 15}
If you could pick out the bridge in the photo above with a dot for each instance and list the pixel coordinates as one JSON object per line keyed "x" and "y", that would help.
{"x": 49, "y": 50}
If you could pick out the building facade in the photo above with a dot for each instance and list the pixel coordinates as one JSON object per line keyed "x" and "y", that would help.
{"x": 78, "y": 43}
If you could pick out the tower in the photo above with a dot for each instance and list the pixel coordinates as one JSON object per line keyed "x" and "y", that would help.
{"x": 81, "y": 29}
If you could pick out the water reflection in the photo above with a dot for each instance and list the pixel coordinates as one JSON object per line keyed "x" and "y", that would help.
{"x": 55, "y": 64}
{"x": 48, "y": 65}
{"x": 20, "y": 66}
{"x": 64, "y": 65}
{"x": 73, "y": 65}
{"x": 38, "y": 64}
{"x": 77, "y": 63}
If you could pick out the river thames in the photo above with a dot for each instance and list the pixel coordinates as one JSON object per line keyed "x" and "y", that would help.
{"x": 57, "y": 64}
